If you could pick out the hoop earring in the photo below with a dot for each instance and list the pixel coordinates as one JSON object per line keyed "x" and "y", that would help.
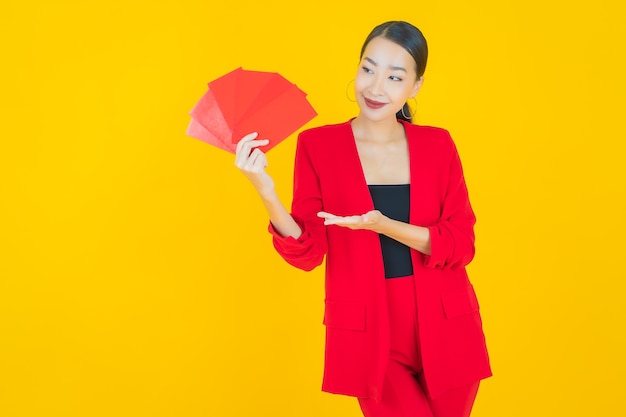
{"x": 348, "y": 95}
{"x": 414, "y": 112}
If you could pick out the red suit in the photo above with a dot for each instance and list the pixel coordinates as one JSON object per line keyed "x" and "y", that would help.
{"x": 328, "y": 176}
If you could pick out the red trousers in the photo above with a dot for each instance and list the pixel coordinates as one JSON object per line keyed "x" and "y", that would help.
{"x": 404, "y": 389}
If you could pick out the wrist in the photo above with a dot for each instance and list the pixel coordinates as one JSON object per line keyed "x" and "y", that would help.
{"x": 382, "y": 223}
{"x": 267, "y": 194}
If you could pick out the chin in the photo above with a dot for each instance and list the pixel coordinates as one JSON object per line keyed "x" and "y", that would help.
{"x": 376, "y": 116}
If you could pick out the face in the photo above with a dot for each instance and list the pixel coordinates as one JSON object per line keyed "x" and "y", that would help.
{"x": 385, "y": 80}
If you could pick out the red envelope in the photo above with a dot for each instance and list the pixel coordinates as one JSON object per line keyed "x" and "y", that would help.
{"x": 242, "y": 102}
{"x": 214, "y": 129}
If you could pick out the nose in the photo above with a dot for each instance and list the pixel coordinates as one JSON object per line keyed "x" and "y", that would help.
{"x": 376, "y": 86}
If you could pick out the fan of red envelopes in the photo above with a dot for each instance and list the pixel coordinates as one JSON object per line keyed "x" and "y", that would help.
{"x": 245, "y": 101}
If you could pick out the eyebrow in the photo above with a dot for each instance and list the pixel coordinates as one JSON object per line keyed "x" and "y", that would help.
{"x": 393, "y": 67}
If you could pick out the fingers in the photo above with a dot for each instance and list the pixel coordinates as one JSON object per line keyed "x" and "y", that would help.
{"x": 243, "y": 141}
{"x": 246, "y": 139}
{"x": 328, "y": 218}
{"x": 256, "y": 162}
{"x": 325, "y": 215}
{"x": 331, "y": 218}
{"x": 353, "y": 222}
{"x": 245, "y": 147}
{"x": 339, "y": 220}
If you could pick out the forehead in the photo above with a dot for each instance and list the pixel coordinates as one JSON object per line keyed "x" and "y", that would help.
{"x": 386, "y": 52}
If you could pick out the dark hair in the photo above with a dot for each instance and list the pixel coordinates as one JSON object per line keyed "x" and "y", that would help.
{"x": 410, "y": 38}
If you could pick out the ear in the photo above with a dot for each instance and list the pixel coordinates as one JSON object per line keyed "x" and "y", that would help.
{"x": 417, "y": 86}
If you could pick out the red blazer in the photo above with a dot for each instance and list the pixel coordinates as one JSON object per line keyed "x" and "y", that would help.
{"x": 328, "y": 176}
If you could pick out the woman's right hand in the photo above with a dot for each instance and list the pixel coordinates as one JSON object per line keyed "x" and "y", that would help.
{"x": 252, "y": 162}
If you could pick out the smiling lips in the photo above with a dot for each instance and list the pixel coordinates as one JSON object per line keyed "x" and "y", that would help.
{"x": 372, "y": 104}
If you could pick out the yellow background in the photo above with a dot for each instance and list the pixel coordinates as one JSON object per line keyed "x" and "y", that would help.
{"x": 137, "y": 277}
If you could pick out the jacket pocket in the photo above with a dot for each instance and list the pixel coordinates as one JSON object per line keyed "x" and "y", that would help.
{"x": 345, "y": 315}
{"x": 459, "y": 302}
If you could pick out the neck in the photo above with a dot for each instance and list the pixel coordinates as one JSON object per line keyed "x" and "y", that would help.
{"x": 377, "y": 130}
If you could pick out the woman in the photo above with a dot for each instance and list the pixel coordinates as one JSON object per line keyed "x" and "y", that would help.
{"x": 386, "y": 203}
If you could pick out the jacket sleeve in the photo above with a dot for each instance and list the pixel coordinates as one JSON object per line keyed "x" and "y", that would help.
{"x": 307, "y": 251}
{"x": 452, "y": 236}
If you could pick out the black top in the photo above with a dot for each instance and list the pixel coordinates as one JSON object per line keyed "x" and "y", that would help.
{"x": 393, "y": 201}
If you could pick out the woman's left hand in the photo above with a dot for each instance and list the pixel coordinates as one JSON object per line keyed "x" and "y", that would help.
{"x": 368, "y": 221}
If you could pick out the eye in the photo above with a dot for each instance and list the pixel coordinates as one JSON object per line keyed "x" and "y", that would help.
{"x": 394, "y": 78}
{"x": 367, "y": 70}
